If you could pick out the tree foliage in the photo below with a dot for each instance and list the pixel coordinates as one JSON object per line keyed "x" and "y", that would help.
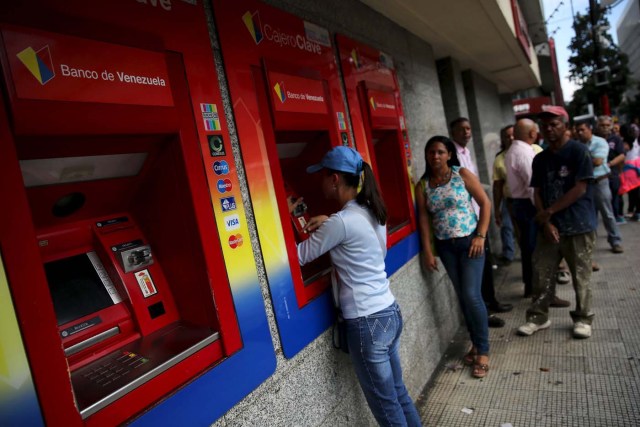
{"x": 583, "y": 63}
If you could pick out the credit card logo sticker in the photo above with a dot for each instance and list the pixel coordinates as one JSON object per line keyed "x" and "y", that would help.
{"x": 224, "y": 185}
{"x": 235, "y": 240}
{"x": 39, "y": 63}
{"x": 228, "y": 204}
{"x": 216, "y": 146}
{"x": 221, "y": 167}
{"x": 210, "y": 117}
{"x": 231, "y": 222}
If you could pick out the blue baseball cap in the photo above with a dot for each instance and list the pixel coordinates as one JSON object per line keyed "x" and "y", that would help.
{"x": 340, "y": 158}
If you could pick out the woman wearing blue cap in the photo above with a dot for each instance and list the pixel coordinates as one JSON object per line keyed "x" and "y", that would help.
{"x": 356, "y": 239}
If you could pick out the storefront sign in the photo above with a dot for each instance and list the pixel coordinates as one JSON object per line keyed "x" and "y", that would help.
{"x": 297, "y": 94}
{"x": 55, "y": 67}
{"x": 382, "y": 104}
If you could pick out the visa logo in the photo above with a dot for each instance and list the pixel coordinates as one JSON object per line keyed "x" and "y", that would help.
{"x": 228, "y": 204}
{"x": 231, "y": 222}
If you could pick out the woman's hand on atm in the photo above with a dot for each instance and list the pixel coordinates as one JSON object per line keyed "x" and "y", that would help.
{"x": 315, "y": 222}
{"x": 293, "y": 204}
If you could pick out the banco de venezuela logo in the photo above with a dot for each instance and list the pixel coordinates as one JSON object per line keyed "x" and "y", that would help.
{"x": 252, "y": 22}
{"x": 279, "y": 89}
{"x": 39, "y": 63}
{"x": 373, "y": 103}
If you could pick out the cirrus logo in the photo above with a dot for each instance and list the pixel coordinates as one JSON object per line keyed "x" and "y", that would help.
{"x": 235, "y": 240}
{"x": 221, "y": 167}
{"x": 224, "y": 185}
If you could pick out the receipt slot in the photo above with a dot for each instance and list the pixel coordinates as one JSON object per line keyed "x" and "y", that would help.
{"x": 378, "y": 121}
{"x": 108, "y": 233}
{"x": 289, "y": 111}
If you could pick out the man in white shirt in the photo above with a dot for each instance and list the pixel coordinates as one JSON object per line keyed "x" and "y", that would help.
{"x": 460, "y": 130}
{"x": 518, "y": 161}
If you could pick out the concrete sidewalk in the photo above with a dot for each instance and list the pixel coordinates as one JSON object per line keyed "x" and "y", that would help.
{"x": 550, "y": 378}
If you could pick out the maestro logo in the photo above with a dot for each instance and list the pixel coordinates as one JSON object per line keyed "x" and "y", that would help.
{"x": 355, "y": 58}
{"x": 228, "y": 204}
{"x": 373, "y": 103}
{"x": 221, "y": 167}
{"x": 252, "y": 22}
{"x": 235, "y": 240}
{"x": 224, "y": 185}
{"x": 39, "y": 63}
{"x": 280, "y": 91}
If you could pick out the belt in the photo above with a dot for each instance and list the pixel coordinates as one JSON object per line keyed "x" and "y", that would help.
{"x": 600, "y": 178}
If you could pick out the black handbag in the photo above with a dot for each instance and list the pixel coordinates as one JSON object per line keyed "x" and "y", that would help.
{"x": 340, "y": 333}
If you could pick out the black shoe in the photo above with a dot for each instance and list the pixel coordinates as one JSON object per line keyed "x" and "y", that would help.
{"x": 503, "y": 261}
{"x": 495, "y": 322}
{"x": 559, "y": 303}
{"x": 497, "y": 307}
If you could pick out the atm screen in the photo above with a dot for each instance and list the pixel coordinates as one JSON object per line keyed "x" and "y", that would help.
{"x": 76, "y": 287}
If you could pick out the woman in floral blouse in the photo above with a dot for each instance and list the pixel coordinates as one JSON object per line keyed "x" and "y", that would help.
{"x": 443, "y": 196}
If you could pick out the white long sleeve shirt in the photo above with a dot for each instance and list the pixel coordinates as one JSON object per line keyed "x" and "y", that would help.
{"x": 354, "y": 241}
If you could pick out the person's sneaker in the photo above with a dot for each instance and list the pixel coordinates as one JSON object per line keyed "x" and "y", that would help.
{"x": 563, "y": 277}
{"x": 617, "y": 249}
{"x": 530, "y": 328}
{"x": 559, "y": 303}
{"x": 635, "y": 217}
{"x": 620, "y": 220}
{"x": 595, "y": 266}
{"x": 581, "y": 330}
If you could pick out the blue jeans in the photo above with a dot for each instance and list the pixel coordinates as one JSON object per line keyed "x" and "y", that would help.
{"x": 602, "y": 196}
{"x": 374, "y": 342}
{"x": 506, "y": 233}
{"x": 466, "y": 275}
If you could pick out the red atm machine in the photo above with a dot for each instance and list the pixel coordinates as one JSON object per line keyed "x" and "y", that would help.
{"x": 377, "y": 118}
{"x": 289, "y": 111}
{"x": 109, "y": 237}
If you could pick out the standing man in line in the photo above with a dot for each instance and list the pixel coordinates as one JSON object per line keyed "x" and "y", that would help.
{"x": 500, "y": 194}
{"x": 519, "y": 164}
{"x": 615, "y": 161}
{"x": 599, "y": 150}
{"x": 460, "y": 130}
{"x": 562, "y": 180}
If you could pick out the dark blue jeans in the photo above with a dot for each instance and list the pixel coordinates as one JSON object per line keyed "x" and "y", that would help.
{"x": 466, "y": 275}
{"x": 374, "y": 342}
{"x": 524, "y": 213}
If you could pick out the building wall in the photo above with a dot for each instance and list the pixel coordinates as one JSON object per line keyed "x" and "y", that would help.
{"x": 318, "y": 386}
{"x": 629, "y": 39}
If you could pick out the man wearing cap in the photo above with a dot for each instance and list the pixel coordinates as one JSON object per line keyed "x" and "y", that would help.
{"x": 562, "y": 181}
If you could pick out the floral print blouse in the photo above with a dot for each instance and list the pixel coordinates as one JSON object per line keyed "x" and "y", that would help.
{"x": 450, "y": 208}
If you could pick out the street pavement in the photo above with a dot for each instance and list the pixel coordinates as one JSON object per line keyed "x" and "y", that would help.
{"x": 550, "y": 378}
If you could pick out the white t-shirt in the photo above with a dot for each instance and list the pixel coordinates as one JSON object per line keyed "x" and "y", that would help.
{"x": 357, "y": 256}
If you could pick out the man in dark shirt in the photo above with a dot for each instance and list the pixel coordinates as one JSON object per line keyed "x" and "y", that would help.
{"x": 562, "y": 181}
{"x": 615, "y": 161}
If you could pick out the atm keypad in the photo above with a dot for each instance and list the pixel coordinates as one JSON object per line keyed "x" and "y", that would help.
{"x": 115, "y": 368}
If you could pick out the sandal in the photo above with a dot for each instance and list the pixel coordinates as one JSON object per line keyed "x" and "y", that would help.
{"x": 470, "y": 358}
{"x": 480, "y": 370}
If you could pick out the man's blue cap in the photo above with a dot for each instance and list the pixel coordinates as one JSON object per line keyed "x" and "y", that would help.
{"x": 340, "y": 158}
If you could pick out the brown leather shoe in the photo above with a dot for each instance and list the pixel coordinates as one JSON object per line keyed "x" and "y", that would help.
{"x": 559, "y": 303}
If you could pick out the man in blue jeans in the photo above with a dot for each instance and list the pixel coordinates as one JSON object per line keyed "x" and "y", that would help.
{"x": 599, "y": 149}
{"x": 562, "y": 182}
